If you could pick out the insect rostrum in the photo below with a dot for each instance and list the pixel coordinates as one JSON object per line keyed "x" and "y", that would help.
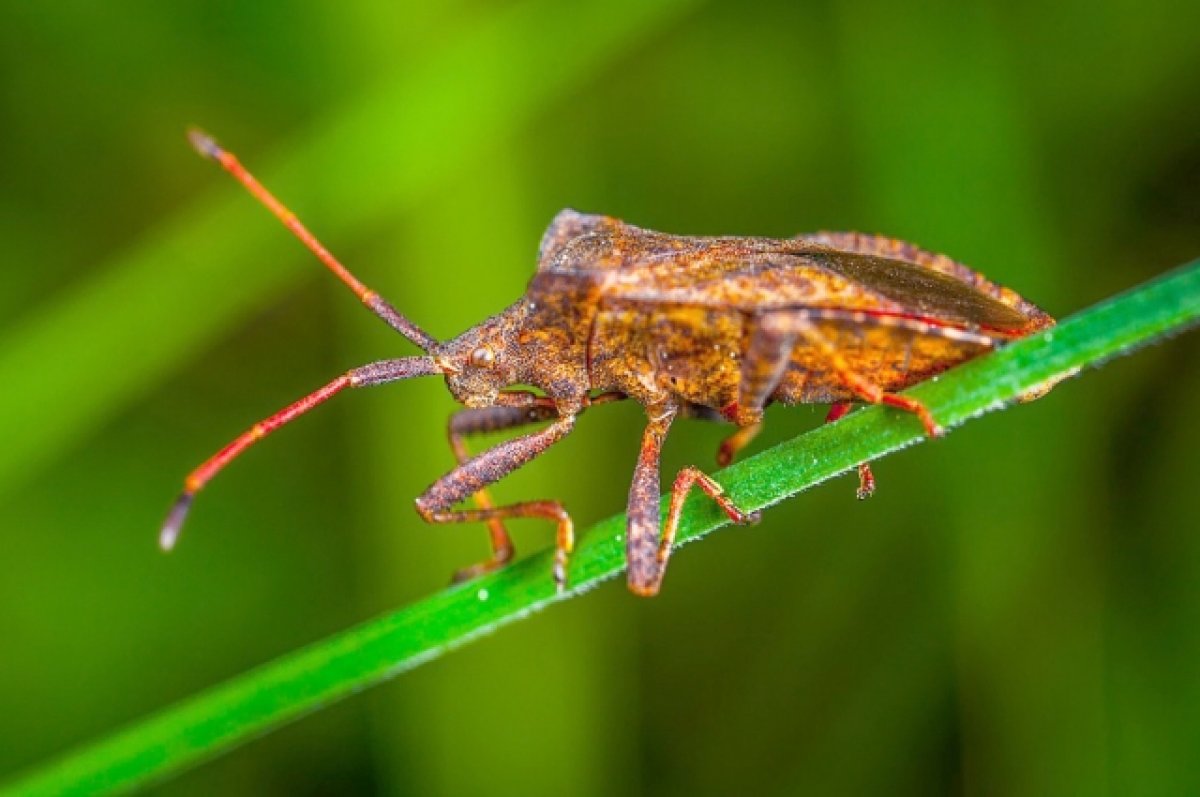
{"x": 714, "y": 328}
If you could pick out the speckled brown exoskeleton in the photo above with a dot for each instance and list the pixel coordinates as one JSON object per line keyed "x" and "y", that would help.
{"x": 712, "y": 328}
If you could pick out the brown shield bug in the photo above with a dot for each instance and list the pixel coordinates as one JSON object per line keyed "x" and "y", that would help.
{"x": 711, "y": 328}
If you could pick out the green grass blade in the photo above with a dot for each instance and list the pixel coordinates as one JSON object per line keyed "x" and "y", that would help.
{"x": 283, "y": 690}
{"x": 183, "y": 285}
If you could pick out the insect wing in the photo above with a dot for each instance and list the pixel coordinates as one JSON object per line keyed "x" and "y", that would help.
{"x": 925, "y": 293}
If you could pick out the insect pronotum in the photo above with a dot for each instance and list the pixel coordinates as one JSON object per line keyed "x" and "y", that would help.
{"x": 711, "y": 328}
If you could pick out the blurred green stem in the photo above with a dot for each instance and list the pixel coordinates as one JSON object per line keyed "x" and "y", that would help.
{"x": 283, "y": 690}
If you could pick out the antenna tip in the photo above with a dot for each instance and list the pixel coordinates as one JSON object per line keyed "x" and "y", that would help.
{"x": 174, "y": 522}
{"x": 204, "y": 143}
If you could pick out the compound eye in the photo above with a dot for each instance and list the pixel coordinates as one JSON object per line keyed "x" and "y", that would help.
{"x": 483, "y": 357}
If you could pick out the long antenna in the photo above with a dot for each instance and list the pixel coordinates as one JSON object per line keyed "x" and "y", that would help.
{"x": 209, "y": 148}
{"x": 376, "y": 373}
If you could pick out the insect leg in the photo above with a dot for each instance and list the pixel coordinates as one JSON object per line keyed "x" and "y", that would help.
{"x": 866, "y": 479}
{"x": 763, "y": 366}
{"x": 645, "y": 551}
{"x": 374, "y": 374}
{"x": 209, "y": 148}
{"x": 731, "y": 445}
{"x": 736, "y": 441}
{"x": 867, "y": 390}
{"x": 790, "y": 326}
{"x": 468, "y": 422}
{"x": 492, "y": 465}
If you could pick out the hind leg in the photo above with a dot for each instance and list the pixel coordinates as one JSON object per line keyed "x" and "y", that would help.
{"x": 776, "y": 336}
{"x": 866, "y": 479}
{"x": 772, "y": 342}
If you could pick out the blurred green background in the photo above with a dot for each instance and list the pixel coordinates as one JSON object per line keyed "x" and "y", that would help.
{"x": 1016, "y": 611}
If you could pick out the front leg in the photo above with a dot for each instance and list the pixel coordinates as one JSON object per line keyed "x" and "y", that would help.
{"x": 645, "y": 552}
{"x": 491, "y": 466}
{"x": 467, "y": 422}
{"x": 525, "y": 409}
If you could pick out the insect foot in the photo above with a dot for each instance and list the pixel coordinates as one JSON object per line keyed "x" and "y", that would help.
{"x": 866, "y": 482}
{"x": 647, "y": 562}
{"x": 499, "y": 559}
{"x": 684, "y": 481}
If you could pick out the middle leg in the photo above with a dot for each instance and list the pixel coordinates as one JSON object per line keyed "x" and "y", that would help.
{"x": 763, "y": 367}
{"x": 647, "y": 552}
